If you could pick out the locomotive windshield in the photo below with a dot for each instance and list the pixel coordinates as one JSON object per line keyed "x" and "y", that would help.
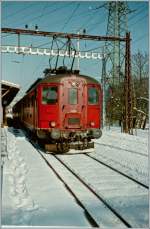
{"x": 49, "y": 95}
{"x": 73, "y": 96}
{"x": 93, "y": 95}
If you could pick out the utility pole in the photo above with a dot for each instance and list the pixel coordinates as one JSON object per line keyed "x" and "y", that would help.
{"x": 83, "y": 31}
{"x": 78, "y": 50}
{"x": 128, "y": 96}
{"x": 103, "y": 81}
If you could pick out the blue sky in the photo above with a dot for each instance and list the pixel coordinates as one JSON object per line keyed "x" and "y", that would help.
{"x": 63, "y": 17}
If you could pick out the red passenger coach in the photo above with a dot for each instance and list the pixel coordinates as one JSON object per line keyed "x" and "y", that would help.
{"x": 62, "y": 109}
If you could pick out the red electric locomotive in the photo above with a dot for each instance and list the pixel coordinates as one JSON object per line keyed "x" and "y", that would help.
{"x": 62, "y": 109}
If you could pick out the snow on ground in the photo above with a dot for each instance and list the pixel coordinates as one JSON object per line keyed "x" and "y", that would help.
{"x": 125, "y": 152}
{"x": 127, "y": 197}
{"x": 103, "y": 216}
{"x": 31, "y": 193}
{"x": 125, "y": 141}
{"x": 33, "y": 196}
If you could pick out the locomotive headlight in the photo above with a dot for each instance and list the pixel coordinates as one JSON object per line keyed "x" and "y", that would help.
{"x": 52, "y": 124}
{"x": 92, "y": 123}
{"x": 73, "y": 84}
{"x": 55, "y": 134}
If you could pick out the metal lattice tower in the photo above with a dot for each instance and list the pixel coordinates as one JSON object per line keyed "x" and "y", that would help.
{"x": 116, "y": 26}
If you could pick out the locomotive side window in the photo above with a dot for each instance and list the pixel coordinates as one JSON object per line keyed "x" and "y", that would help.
{"x": 73, "y": 96}
{"x": 93, "y": 95}
{"x": 49, "y": 95}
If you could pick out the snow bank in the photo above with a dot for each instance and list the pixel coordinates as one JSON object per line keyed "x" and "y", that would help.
{"x": 15, "y": 172}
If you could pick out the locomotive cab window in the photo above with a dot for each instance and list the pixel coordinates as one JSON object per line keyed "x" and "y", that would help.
{"x": 73, "y": 96}
{"x": 93, "y": 95}
{"x": 49, "y": 95}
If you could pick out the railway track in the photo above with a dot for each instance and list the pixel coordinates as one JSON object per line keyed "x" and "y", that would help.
{"x": 124, "y": 186}
{"x": 91, "y": 217}
{"x": 132, "y": 164}
{"x": 93, "y": 191}
{"x": 64, "y": 170}
{"x": 118, "y": 171}
{"x": 119, "y": 148}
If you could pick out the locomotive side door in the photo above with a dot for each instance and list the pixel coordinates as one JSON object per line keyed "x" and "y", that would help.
{"x": 73, "y": 104}
{"x": 94, "y": 100}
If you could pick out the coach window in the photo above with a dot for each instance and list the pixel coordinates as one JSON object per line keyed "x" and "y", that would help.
{"x": 49, "y": 95}
{"x": 93, "y": 95}
{"x": 73, "y": 96}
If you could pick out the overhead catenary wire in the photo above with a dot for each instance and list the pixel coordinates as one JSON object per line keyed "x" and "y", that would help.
{"x": 58, "y": 22}
{"x": 139, "y": 20}
{"x": 43, "y": 10}
{"x": 70, "y": 17}
{"x": 93, "y": 25}
{"x": 29, "y": 21}
{"x": 17, "y": 12}
{"x": 136, "y": 14}
{"x": 84, "y": 25}
{"x": 48, "y": 13}
{"x": 140, "y": 38}
{"x": 42, "y": 13}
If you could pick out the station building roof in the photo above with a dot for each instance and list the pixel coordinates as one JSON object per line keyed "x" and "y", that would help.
{"x": 8, "y": 92}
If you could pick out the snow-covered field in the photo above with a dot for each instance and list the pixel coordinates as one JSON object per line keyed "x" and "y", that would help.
{"x": 32, "y": 194}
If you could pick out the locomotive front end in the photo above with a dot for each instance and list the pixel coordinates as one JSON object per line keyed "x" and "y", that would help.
{"x": 80, "y": 109}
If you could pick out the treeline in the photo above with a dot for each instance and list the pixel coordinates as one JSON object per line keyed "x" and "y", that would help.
{"x": 140, "y": 92}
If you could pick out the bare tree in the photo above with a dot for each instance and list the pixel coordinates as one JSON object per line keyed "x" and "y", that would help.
{"x": 140, "y": 67}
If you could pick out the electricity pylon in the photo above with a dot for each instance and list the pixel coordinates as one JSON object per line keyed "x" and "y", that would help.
{"x": 118, "y": 107}
{"x": 117, "y": 25}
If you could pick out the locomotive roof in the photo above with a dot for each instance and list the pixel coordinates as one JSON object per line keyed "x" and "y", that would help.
{"x": 57, "y": 79}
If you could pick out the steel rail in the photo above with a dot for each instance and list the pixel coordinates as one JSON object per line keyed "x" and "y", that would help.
{"x": 116, "y": 170}
{"x": 93, "y": 191}
{"x": 89, "y": 217}
{"x": 117, "y": 147}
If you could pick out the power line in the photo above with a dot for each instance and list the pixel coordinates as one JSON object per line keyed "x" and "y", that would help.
{"x": 140, "y": 38}
{"x": 135, "y": 15}
{"x": 43, "y": 10}
{"x": 139, "y": 20}
{"x": 93, "y": 25}
{"x": 52, "y": 11}
{"x": 95, "y": 48}
{"x": 77, "y": 18}
{"x": 28, "y": 21}
{"x": 42, "y": 13}
{"x": 85, "y": 23}
{"x": 75, "y": 9}
{"x": 18, "y": 12}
